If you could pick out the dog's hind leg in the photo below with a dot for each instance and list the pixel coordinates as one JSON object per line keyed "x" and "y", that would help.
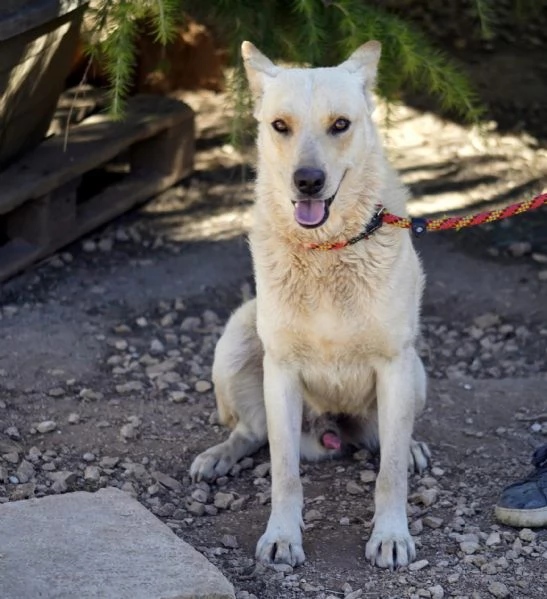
{"x": 419, "y": 455}
{"x": 238, "y": 379}
{"x": 219, "y": 459}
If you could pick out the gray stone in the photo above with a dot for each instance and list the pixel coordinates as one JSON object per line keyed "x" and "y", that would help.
{"x": 368, "y": 476}
{"x": 469, "y": 547}
{"x": 419, "y": 565}
{"x": 262, "y": 470}
{"x": 196, "y": 508}
{"x": 527, "y": 535}
{"x": 498, "y": 589}
{"x": 200, "y": 495}
{"x": 102, "y": 544}
{"x": 109, "y": 462}
{"x": 353, "y": 488}
{"x": 494, "y": 538}
{"x": 433, "y": 521}
{"x": 92, "y": 473}
{"x": 202, "y": 386}
{"x": 223, "y": 500}
{"x": 47, "y": 426}
{"x": 437, "y": 591}
{"x": 312, "y": 515}
{"x": 167, "y": 481}
{"x": 229, "y": 541}
{"x": 25, "y": 471}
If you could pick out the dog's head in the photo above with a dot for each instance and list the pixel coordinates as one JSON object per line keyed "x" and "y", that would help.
{"x": 315, "y": 131}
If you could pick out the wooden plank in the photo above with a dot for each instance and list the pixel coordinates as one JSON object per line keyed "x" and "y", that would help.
{"x": 44, "y": 203}
{"x": 100, "y": 209}
{"x": 93, "y": 142}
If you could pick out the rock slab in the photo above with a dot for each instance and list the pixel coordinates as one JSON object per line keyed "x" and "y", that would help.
{"x": 102, "y": 545}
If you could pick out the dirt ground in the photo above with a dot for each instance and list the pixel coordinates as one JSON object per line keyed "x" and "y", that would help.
{"x": 107, "y": 348}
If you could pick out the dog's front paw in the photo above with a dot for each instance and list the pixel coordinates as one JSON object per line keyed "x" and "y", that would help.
{"x": 390, "y": 548}
{"x": 211, "y": 464}
{"x": 280, "y": 544}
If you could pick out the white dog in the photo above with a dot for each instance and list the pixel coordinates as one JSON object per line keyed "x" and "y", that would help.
{"x": 331, "y": 330}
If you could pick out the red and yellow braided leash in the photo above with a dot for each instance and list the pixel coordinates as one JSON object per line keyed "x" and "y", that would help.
{"x": 460, "y": 222}
{"x": 420, "y": 226}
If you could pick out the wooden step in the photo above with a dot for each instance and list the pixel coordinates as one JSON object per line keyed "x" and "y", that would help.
{"x": 55, "y": 194}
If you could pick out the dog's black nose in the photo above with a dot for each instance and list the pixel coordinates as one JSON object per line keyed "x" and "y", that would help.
{"x": 309, "y": 181}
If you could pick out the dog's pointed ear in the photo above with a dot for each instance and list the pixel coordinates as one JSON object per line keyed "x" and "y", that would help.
{"x": 258, "y": 68}
{"x": 364, "y": 62}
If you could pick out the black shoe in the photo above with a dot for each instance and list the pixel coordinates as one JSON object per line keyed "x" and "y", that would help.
{"x": 524, "y": 504}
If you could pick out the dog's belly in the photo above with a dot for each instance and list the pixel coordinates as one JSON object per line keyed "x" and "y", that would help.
{"x": 338, "y": 386}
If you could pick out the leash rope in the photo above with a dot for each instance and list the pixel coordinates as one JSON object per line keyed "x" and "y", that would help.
{"x": 419, "y": 226}
{"x": 460, "y": 222}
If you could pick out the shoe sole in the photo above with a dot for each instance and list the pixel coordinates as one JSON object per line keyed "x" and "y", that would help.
{"x": 536, "y": 518}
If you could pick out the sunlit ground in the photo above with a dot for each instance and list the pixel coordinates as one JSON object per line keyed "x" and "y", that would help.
{"x": 448, "y": 168}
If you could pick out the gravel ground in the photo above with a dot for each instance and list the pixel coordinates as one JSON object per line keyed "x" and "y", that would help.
{"x": 106, "y": 363}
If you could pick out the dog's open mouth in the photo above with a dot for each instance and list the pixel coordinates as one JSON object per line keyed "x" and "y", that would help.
{"x": 312, "y": 213}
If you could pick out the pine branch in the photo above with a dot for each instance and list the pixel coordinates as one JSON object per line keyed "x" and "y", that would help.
{"x": 119, "y": 52}
{"x": 486, "y": 14}
{"x": 112, "y": 39}
{"x": 165, "y": 15}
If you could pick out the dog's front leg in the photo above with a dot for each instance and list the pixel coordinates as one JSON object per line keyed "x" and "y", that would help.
{"x": 282, "y": 541}
{"x": 390, "y": 544}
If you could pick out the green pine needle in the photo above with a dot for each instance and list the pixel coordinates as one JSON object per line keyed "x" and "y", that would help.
{"x": 315, "y": 32}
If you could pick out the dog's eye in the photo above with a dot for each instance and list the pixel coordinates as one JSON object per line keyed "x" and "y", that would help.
{"x": 280, "y": 126}
{"x": 340, "y": 125}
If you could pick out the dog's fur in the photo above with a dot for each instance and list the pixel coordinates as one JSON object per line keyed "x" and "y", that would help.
{"x": 330, "y": 330}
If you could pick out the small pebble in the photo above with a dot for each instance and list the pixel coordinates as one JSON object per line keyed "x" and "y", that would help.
{"x": 92, "y": 473}
{"x": 368, "y": 476}
{"x": 313, "y": 515}
{"x": 498, "y": 589}
{"x": 223, "y": 500}
{"x": 436, "y": 591}
{"x": 157, "y": 347}
{"x": 229, "y": 541}
{"x": 89, "y": 245}
{"x": 167, "y": 481}
{"x": 469, "y": 547}
{"x": 47, "y": 426}
{"x": 200, "y": 495}
{"x": 527, "y": 535}
{"x": 196, "y": 508}
{"x": 202, "y": 386}
{"x": 353, "y": 488}
{"x": 432, "y": 521}
{"x": 419, "y": 565}
{"x": 262, "y": 470}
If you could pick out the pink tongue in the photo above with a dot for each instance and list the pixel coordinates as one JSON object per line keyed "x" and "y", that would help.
{"x": 331, "y": 441}
{"x": 309, "y": 212}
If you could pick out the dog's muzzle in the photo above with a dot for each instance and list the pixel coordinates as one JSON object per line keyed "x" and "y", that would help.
{"x": 314, "y": 212}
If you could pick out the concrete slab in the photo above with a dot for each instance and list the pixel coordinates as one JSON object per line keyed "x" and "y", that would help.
{"x": 102, "y": 545}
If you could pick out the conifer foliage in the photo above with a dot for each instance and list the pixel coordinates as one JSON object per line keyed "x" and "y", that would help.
{"x": 316, "y": 32}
